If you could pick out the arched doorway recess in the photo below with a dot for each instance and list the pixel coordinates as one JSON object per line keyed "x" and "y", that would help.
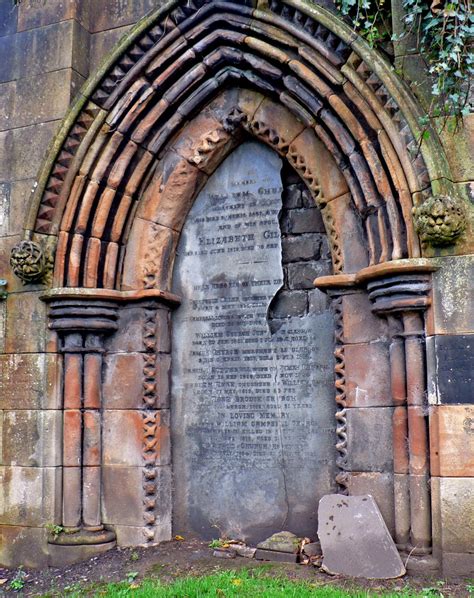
{"x": 176, "y": 97}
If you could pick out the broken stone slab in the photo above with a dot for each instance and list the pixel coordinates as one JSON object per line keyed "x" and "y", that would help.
{"x": 281, "y": 542}
{"x": 276, "y": 556}
{"x": 355, "y": 540}
{"x": 245, "y": 551}
{"x": 224, "y": 553}
{"x": 312, "y": 549}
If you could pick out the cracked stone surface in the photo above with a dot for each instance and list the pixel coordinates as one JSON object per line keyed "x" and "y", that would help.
{"x": 253, "y": 413}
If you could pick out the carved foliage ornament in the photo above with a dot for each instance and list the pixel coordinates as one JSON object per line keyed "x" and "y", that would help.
{"x": 31, "y": 262}
{"x": 440, "y": 220}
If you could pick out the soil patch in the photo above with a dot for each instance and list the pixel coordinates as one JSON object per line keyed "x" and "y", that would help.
{"x": 172, "y": 560}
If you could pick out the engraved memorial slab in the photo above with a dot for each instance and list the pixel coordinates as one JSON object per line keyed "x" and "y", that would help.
{"x": 252, "y": 406}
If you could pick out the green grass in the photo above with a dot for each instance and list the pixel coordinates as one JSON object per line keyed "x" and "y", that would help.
{"x": 230, "y": 584}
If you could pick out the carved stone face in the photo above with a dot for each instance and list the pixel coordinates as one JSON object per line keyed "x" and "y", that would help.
{"x": 28, "y": 261}
{"x": 440, "y": 220}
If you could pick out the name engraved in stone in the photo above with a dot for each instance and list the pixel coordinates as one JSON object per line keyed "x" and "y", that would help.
{"x": 252, "y": 411}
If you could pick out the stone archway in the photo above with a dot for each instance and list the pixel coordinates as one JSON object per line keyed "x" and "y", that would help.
{"x": 123, "y": 174}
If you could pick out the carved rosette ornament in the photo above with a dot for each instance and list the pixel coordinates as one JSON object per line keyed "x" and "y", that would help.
{"x": 30, "y": 262}
{"x": 440, "y": 220}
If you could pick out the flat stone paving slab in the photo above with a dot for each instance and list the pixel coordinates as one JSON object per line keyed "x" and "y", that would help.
{"x": 355, "y": 540}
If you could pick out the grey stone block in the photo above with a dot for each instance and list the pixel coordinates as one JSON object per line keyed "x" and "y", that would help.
{"x": 6, "y": 148}
{"x": 29, "y": 381}
{"x": 135, "y": 536}
{"x": 318, "y": 302}
{"x": 306, "y": 220}
{"x": 48, "y": 49}
{"x": 23, "y": 546}
{"x": 123, "y": 501}
{"x": 64, "y": 556}
{"x": 102, "y": 43}
{"x": 301, "y": 275}
{"x": 301, "y": 247}
{"x": 292, "y": 197}
{"x": 7, "y": 104}
{"x": 458, "y": 564}
{"x": 44, "y": 97}
{"x": 32, "y": 438}
{"x": 33, "y": 14}
{"x": 8, "y": 68}
{"x": 29, "y": 496}
{"x": 369, "y": 439}
{"x": 289, "y": 304}
{"x": 5, "y": 194}
{"x": 29, "y": 146}
{"x": 8, "y": 18}
{"x": 109, "y": 14}
{"x": 307, "y": 199}
{"x": 453, "y": 296}
{"x": 378, "y": 485}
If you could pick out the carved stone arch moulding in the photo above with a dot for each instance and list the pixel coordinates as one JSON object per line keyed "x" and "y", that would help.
{"x": 175, "y": 98}
{"x": 173, "y": 64}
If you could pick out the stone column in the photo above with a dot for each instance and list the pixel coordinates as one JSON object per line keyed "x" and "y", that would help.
{"x": 401, "y": 455}
{"x": 403, "y": 299}
{"x": 82, "y": 325}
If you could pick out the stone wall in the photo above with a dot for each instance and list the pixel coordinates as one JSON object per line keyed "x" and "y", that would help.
{"x": 48, "y": 49}
{"x": 52, "y": 46}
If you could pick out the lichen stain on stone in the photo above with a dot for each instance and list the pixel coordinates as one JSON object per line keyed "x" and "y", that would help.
{"x": 456, "y": 284}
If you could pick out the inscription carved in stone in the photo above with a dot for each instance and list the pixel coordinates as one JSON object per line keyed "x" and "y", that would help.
{"x": 252, "y": 407}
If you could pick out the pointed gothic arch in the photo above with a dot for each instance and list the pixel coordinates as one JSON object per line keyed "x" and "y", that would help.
{"x": 178, "y": 60}
{"x": 172, "y": 101}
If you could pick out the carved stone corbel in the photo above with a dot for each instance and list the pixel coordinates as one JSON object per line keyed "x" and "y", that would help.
{"x": 440, "y": 220}
{"x": 32, "y": 262}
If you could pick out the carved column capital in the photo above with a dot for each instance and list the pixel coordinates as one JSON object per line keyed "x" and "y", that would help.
{"x": 400, "y": 293}
{"x": 83, "y": 316}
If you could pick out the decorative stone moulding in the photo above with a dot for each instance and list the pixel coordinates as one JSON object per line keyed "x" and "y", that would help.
{"x": 3, "y": 289}
{"x": 31, "y": 262}
{"x": 398, "y": 292}
{"x": 178, "y": 60}
{"x": 440, "y": 220}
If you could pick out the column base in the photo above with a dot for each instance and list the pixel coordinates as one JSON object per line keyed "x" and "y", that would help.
{"x": 61, "y": 555}
{"x": 84, "y": 537}
{"x": 420, "y": 564}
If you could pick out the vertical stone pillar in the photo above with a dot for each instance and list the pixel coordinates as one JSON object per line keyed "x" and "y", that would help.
{"x": 403, "y": 299}
{"x": 400, "y": 434}
{"x": 82, "y": 325}
{"x": 420, "y": 507}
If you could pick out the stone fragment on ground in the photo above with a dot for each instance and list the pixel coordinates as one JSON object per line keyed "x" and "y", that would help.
{"x": 281, "y": 547}
{"x": 312, "y": 549}
{"x": 224, "y": 553}
{"x": 281, "y": 542}
{"x": 276, "y": 556}
{"x": 244, "y": 551}
{"x": 355, "y": 540}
